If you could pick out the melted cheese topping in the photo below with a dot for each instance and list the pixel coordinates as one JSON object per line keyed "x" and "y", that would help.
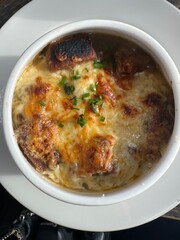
{"x": 105, "y": 136}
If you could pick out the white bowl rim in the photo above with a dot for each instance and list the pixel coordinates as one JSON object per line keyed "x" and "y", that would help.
{"x": 111, "y": 197}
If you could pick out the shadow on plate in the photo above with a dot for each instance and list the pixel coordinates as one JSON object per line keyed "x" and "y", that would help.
{"x": 7, "y": 164}
{"x": 161, "y": 228}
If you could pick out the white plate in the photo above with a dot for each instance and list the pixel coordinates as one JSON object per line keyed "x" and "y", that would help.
{"x": 158, "y": 18}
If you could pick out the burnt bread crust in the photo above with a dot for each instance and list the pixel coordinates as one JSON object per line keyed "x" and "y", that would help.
{"x": 67, "y": 52}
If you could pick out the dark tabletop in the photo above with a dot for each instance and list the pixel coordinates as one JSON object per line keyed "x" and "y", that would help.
{"x": 9, "y": 7}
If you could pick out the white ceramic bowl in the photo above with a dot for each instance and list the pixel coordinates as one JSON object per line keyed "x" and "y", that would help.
{"x": 171, "y": 73}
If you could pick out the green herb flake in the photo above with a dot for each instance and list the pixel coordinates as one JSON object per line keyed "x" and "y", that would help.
{"x": 62, "y": 81}
{"x": 100, "y": 100}
{"x": 41, "y": 103}
{"x": 86, "y": 69}
{"x": 94, "y": 108}
{"x": 74, "y": 101}
{"x": 99, "y": 64}
{"x": 81, "y": 120}
{"x": 95, "y": 102}
{"x": 69, "y": 89}
{"x": 75, "y": 108}
{"x": 92, "y": 87}
{"x": 76, "y": 76}
{"x": 60, "y": 125}
{"x": 102, "y": 118}
{"x": 85, "y": 95}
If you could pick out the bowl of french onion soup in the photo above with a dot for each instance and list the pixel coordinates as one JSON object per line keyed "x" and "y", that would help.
{"x": 91, "y": 112}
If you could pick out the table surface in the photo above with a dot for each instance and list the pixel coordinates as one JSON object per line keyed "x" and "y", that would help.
{"x": 9, "y": 7}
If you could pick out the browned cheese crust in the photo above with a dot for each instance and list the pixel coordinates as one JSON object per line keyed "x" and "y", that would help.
{"x": 84, "y": 114}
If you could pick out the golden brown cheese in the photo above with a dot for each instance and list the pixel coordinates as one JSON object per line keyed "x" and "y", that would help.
{"x": 85, "y": 129}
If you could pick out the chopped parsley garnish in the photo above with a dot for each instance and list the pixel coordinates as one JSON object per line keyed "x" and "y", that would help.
{"x": 99, "y": 64}
{"x": 85, "y": 95}
{"x": 62, "y": 81}
{"x": 76, "y": 76}
{"x": 81, "y": 120}
{"x": 69, "y": 89}
{"x": 41, "y": 103}
{"x": 92, "y": 87}
{"x": 60, "y": 125}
